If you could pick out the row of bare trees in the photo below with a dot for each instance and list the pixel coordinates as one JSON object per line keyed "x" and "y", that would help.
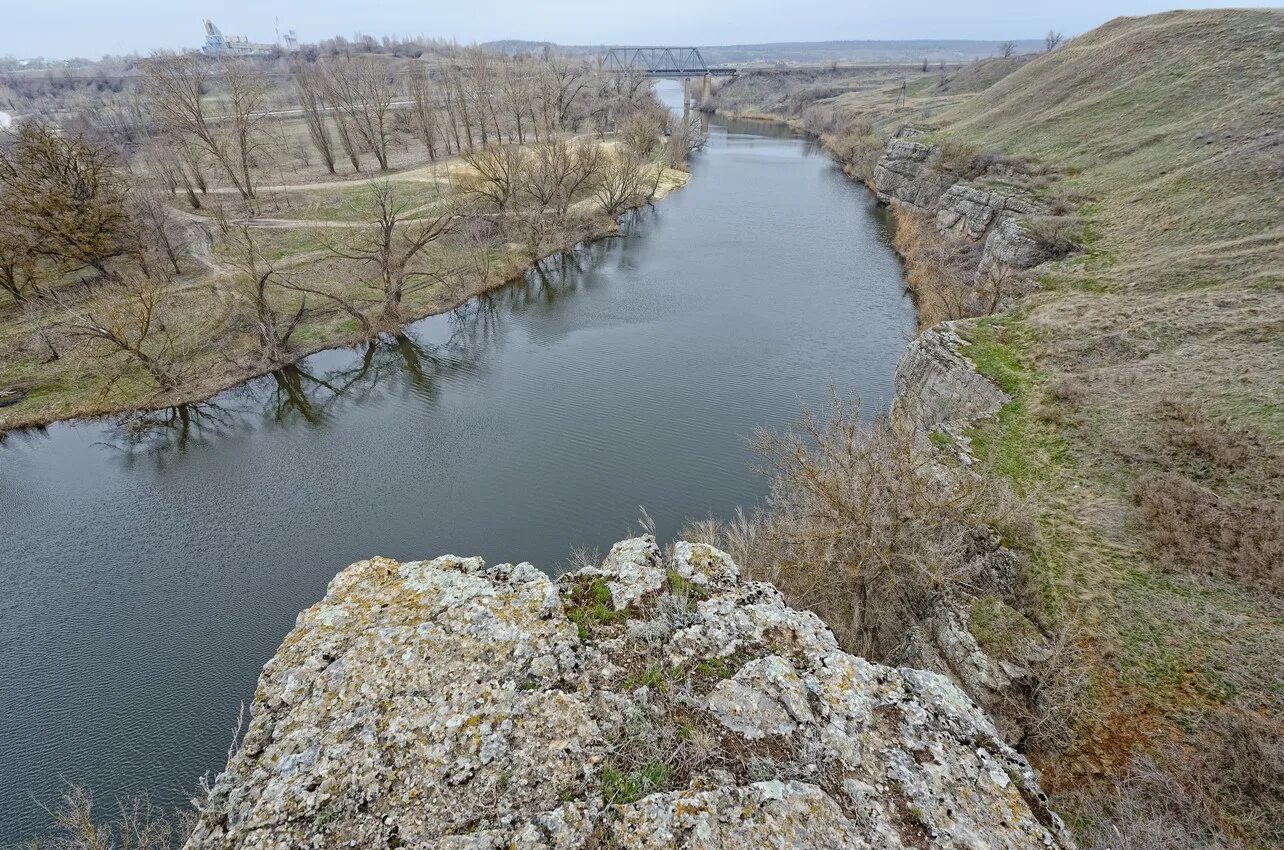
{"x": 91, "y": 239}
{"x": 205, "y": 117}
{"x": 469, "y": 100}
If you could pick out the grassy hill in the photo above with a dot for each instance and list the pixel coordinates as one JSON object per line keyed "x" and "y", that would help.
{"x": 1149, "y": 422}
{"x": 1147, "y": 429}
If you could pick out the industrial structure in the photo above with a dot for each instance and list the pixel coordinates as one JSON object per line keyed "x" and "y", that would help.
{"x": 218, "y": 44}
{"x": 675, "y": 63}
{"x": 670, "y": 63}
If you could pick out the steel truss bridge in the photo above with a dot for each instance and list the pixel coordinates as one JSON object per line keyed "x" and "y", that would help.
{"x": 665, "y": 62}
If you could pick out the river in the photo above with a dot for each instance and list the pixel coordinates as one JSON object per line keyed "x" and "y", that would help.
{"x": 149, "y": 573}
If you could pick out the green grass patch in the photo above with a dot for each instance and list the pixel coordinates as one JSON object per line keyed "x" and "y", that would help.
{"x": 621, "y": 787}
{"x": 590, "y": 608}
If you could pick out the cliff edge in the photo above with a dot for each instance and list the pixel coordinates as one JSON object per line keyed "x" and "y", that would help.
{"x": 648, "y": 702}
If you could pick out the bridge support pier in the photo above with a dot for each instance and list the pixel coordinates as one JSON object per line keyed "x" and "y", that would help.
{"x": 706, "y": 89}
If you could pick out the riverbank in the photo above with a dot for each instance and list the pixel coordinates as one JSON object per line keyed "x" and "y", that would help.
{"x": 58, "y": 378}
{"x": 1145, "y": 425}
{"x": 163, "y": 565}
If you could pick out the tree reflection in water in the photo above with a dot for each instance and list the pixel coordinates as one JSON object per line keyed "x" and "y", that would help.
{"x": 311, "y": 393}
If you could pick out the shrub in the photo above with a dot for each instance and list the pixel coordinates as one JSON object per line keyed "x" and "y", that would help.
{"x": 133, "y": 824}
{"x": 957, "y": 159}
{"x": 1189, "y": 525}
{"x": 861, "y": 530}
{"x": 1057, "y": 235}
{"x": 1192, "y": 432}
{"x": 858, "y": 147}
{"x": 939, "y": 268}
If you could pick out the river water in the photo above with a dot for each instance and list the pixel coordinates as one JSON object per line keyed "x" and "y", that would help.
{"x": 148, "y": 575}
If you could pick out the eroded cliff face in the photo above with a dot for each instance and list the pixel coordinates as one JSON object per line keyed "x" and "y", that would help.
{"x": 984, "y": 209}
{"x": 649, "y": 702}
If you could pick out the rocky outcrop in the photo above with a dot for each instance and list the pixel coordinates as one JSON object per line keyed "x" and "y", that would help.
{"x": 904, "y": 175}
{"x": 649, "y": 702}
{"x": 937, "y": 386}
{"x": 1007, "y": 245}
{"x": 971, "y": 210}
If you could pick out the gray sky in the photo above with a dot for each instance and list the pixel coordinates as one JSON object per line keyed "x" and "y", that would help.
{"x": 91, "y": 28}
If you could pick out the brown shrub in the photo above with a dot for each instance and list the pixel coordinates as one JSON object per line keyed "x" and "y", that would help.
{"x": 1228, "y": 794}
{"x": 958, "y": 159}
{"x": 1216, "y": 441}
{"x": 860, "y": 529}
{"x": 1058, "y": 235}
{"x": 939, "y": 268}
{"x": 1192, "y": 526}
{"x": 858, "y": 148}
{"x": 133, "y": 823}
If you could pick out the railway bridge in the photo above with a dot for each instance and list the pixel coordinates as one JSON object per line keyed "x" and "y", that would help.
{"x": 668, "y": 63}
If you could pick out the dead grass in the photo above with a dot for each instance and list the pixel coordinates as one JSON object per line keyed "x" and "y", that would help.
{"x": 939, "y": 268}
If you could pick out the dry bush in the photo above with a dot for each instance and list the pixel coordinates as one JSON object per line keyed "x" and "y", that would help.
{"x": 1055, "y": 699}
{"x": 1216, "y": 441}
{"x": 858, "y": 147}
{"x": 642, "y": 132}
{"x": 1227, "y": 794}
{"x": 1152, "y": 809}
{"x": 135, "y": 824}
{"x": 818, "y": 120}
{"x": 939, "y": 268}
{"x": 1192, "y": 526}
{"x": 958, "y": 159}
{"x": 1058, "y": 235}
{"x": 861, "y": 529}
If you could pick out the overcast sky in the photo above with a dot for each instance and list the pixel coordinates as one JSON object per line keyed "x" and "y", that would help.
{"x": 91, "y": 28}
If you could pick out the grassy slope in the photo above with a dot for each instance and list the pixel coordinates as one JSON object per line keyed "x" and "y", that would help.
{"x": 1170, "y": 127}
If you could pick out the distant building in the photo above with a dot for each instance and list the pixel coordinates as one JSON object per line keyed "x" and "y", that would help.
{"x": 218, "y": 44}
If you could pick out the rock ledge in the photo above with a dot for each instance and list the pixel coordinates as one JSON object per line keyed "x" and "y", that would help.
{"x": 649, "y": 702}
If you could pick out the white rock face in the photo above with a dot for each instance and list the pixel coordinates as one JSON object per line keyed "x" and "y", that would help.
{"x": 937, "y": 385}
{"x": 446, "y": 704}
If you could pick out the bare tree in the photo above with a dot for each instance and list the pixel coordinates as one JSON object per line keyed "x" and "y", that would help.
{"x": 685, "y": 138}
{"x": 642, "y": 131}
{"x": 312, "y": 99}
{"x": 392, "y": 243}
{"x": 519, "y": 90}
{"x": 257, "y": 280}
{"x": 362, "y": 89}
{"x": 497, "y": 174}
{"x": 175, "y": 86}
{"x": 623, "y": 184}
{"x": 155, "y": 227}
{"x": 130, "y": 326}
{"x": 422, "y": 108}
{"x": 1007, "y": 48}
{"x": 1052, "y": 40}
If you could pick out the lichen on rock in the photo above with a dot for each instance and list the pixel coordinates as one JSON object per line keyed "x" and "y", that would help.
{"x": 448, "y": 704}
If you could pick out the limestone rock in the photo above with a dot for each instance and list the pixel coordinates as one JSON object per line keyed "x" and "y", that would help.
{"x": 936, "y": 385}
{"x": 1008, "y": 245}
{"x": 903, "y": 174}
{"x": 971, "y": 210}
{"x": 447, "y": 704}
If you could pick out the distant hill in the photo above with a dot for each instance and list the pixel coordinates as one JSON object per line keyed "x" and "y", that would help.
{"x": 809, "y": 52}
